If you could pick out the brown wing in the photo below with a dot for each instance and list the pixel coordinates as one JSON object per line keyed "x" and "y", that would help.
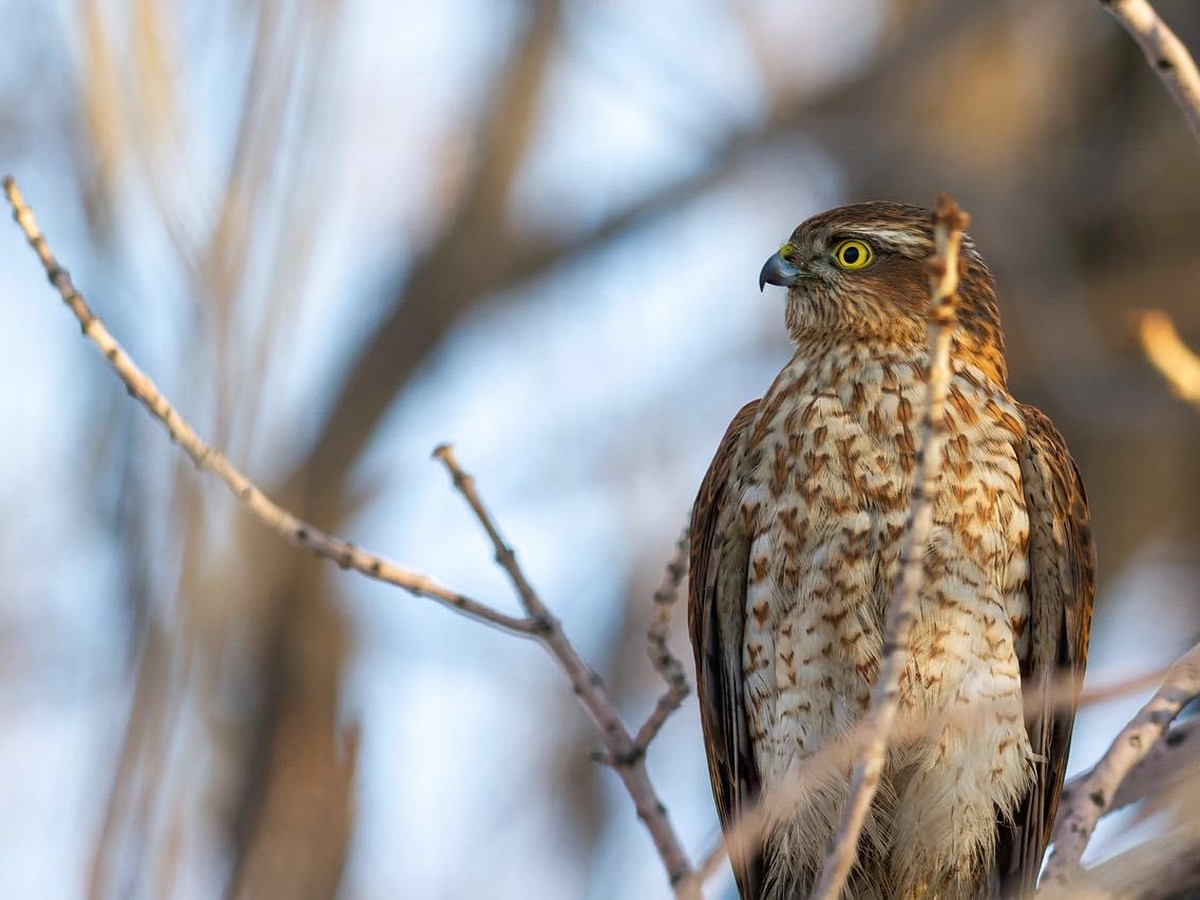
{"x": 716, "y": 605}
{"x": 1061, "y": 585}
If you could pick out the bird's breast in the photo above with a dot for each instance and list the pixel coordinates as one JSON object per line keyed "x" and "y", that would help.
{"x": 827, "y": 478}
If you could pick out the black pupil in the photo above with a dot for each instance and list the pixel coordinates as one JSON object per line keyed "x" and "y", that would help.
{"x": 850, "y": 255}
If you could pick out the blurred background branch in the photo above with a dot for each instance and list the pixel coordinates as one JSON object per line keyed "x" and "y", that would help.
{"x": 1178, "y": 363}
{"x": 625, "y": 752}
{"x": 340, "y": 231}
{"x": 1165, "y": 52}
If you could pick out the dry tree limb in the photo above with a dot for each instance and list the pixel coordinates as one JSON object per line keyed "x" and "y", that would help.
{"x": 949, "y": 222}
{"x": 537, "y": 623}
{"x": 206, "y": 458}
{"x": 1165, "y": 52}
{"x": 588, "y": 686}
{"x": 1091, "y": 794}
{"x": 1165, "y": 867}
{"x": 1171, "y": 761}
{"x": 1165, "y": 863}
{"x": 1140, "y": 762}
{"x": 665, "y": 662}
{"x": 1177, "y": 363}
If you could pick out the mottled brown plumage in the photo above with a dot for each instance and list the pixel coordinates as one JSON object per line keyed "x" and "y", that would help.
{"x": 795, "y": 541}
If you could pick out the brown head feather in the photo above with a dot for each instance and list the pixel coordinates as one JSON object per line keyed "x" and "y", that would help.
{"x": 887, "y": 300}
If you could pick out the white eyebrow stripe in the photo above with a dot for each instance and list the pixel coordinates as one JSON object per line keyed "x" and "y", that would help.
{"x": 896, "y": 237}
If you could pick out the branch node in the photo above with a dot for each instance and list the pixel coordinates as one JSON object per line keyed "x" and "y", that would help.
{"x": 629, "y": 757}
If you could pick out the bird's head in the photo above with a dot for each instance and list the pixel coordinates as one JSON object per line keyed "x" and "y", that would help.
{"x": 858, "y": 273}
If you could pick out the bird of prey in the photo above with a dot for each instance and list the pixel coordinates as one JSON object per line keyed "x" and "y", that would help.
{"x": 795, "y": 543}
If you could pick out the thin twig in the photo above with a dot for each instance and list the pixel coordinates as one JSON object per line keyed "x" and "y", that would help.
{"x": 1063, "y": 692}
{"x": 1177, "y": 362}
{"x": 1165, "y": 52}
{"x": 629, "y": 763}
{"x": 537, "y": 623}
{"x": 283, "y": 523}
{"x": 665, "y": 662}
{"x": 948, "y": 224}
{"x": 1091, "y": 794}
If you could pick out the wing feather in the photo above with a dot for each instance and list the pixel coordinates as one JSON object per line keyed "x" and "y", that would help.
{"x": 716, "y": 607}
{"x": 1061, "y": 587}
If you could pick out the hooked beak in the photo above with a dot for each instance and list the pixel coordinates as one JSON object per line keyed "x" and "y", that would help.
{"x": 779, "y": 271}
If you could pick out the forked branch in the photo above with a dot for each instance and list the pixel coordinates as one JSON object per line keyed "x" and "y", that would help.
{"x": 537, "y": 622}
{"x": 622, "y": 750}
{"x": 1090, "y": 795}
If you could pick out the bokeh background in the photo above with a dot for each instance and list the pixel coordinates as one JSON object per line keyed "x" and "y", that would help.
{"x": 337, "y": 232}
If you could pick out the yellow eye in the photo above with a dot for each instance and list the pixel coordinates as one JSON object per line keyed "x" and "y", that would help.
{"x": 853, "y": 254}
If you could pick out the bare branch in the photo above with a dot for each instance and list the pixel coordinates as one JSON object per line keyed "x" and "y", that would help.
{"x": 1165, "y": 52}
{"x": 664, "y": 661}
{"x": 537, "y": 623}
{"x": 1165, "y": 865}
{"x": 948, "y": 224}
{"x": 588, "y": 686}
{"x": 1171, "y": 761}
{"x": 283, "y": 523}
{"x": 1090, "y": 795}
{"x": 1179, "y": 365}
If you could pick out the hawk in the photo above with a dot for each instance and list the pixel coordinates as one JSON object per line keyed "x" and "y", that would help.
{"x": 795, "y": 540}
